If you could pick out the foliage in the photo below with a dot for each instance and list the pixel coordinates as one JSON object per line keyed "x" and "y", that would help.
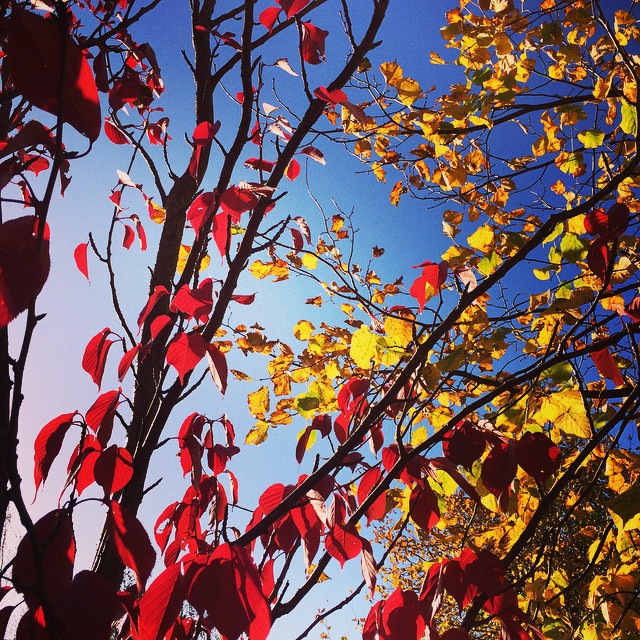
{"x": 481, "y": 418}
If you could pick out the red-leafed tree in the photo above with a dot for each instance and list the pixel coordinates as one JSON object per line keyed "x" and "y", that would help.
{"x": 468, "y": 410}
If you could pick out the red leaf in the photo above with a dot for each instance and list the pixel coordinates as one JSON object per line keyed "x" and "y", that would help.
{"x": 595, "y": 222}
{"x": 194, "y": 303}
{"x": 33, "y": 133}
{"x": 129, "y": 237}
{"x": 157, "y": 132}
{"x": 95, "y": 355}
{"x": 87, "y": 608}
{"x": 220, "y": 231}
{"x": 259, "y": 164}
{"x": 203, "y": 134}
{"x": 269, "y": 16}
{"x": 158, "y": 324}
{"x": 314, "y": 154}
{"x": 292, "y": 7}
{"x": 185, "y": 352}
{"x": 83, "y": 462}
{"x": 161, "y": 603}
{"x": 243, "y": 609}
{"x": 332, "y": 97}
{"x": 633, "y": 309}
{"x": 129, "y": 89}
{"x": 114, "y": 133}
{"x": 23, "y": 267}
{"x": 158, "y": 292}
{"x": 398, "y": 618}
{"x": 499, "y": 468}
{"x": 132, "y": 543}
{"x": 313, "y": 43}
{"x": 113, "y": 469}
{"x": 298, "y": 241}
{"x": 99, "y": 417}
{"x": 236, "y": 201}
{"x": 607, "y": 367}
{"x": 301, "y": 446}
{"x": 126, "y": 362}
{"x": 434, "y": 275}
{"x": 36, "y": 52}
{"x": 54, "y": 536}
{"x": 599, "y": 257}
{"x": 244, "y": 299}
{"x": 464, "y": 444}
{"x": 368, "y": 481}
{"x": 48, "y": 444}
{"x": 218, "y": 367}
{"x": 142, "y": 236}
{"x": 272, "y": 496}
{"x": 343, "y": 543}
{"x": 537, "y": 455}
{"x": 80, "y": 256}
{"x": 293, "y": 170}
{"x": 351, "y": 395}
{"x": 609, "y": 225}
{"x": 455, "y": 581}
{"x": 200, "y": 211}
{"x": 423, "y": 505}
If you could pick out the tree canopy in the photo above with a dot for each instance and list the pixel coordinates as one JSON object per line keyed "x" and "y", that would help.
{"x": 467, "y": 430}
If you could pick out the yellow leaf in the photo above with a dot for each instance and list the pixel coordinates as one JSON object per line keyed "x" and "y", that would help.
{"x": 183, "y": 256}
{"x": 565, "y": 410}
{"x": 400, "y": 331}
{"x": 392, "y": 73}
{"x": 156, "y": 212}
{"x": 396, "y": 192}
{"x": 482, "y": 239}
{"x": 408, "y": 91}
{"x": 259, "y": 402}
{"x": 240, "y": 375}
{"x": 278, "y": 269}
{"x": 303, "y": 330}
{"x": 310, "y": 260}
{"x": 258, "y": 434}
{"x": 365, "y": 347}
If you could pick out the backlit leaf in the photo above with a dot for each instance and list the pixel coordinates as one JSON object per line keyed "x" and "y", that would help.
{"x": 40, "y": 55}
{"x": 565, "y": 410}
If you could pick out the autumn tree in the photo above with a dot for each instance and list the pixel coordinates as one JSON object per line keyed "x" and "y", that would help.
{"x": 530, "y": 382}
{"x": 486, "y": 408}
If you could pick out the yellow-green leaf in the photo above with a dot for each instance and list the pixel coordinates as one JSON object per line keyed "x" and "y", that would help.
{"x": 591, "y": 138}
{"x": 629, "y": 122}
